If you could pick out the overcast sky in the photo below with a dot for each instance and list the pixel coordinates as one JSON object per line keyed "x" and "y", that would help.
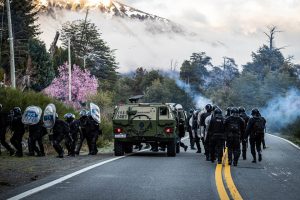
{"x": 232, "y": 28}
{"x": 237, "y": 21}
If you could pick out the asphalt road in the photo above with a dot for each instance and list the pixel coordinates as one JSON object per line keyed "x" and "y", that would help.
{"x": 154, "y": 176}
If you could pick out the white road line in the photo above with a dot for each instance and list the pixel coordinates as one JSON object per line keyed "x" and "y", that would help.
{"x": 57, "y": 181}
{"x": 52, "y": 183}
{"x": 293, "y": 144}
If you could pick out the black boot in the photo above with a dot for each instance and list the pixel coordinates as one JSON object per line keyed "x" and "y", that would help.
{"x": 235, "y": 163}
{"x": 259, "y": 157}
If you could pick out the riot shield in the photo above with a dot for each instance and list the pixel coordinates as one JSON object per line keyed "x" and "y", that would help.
{"x": 95, "y": 112}
{"x": 49, "y": 116}
{"x": 32, "y": 115}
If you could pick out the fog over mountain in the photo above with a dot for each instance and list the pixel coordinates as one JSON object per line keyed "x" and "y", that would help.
{"x": 153, "y": 33}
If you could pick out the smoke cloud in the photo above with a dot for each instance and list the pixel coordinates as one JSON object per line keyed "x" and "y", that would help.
{"x": 282, "y": 110}
{"x": 198, "y": 99}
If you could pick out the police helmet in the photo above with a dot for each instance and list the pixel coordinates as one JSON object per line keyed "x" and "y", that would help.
{"x": 234, "y": 111}
{"x": 242, "y": 109}
{"x": 17, "y": 110}
{"x": 208, "y": 108}
{"x": 69, "y": 116}
{"x": 218, "y": 111}
{"x": 255, "y": 112}
{"x": 83, "y": 113}
{"x": 214, "y": 107}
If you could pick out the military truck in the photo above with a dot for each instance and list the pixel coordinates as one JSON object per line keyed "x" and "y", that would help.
{"x": 136, "y": 123}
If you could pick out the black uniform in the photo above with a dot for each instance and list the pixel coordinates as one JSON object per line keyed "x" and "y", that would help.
{"x": 255, "y": 129}
{"x": 73, "y": 137}
{"x": 234, "y": 125}
{"x": 36, "y": 134}
{"x": 92, "y": 134}
{"x": 4, "y": 122}
{"x": 206, "y": 139}
{"x": 216, "y": 132}
{"x": 82, "y": 133}
{"x": 245, "y": 117}
{"x": 18, "y": 130}
{"x": 60, "y": 131}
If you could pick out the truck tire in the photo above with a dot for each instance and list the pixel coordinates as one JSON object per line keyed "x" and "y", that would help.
{"x": 177, "y": 147}
{"x": 128, "y": 148}
{"x": 119, "y": 149}
{"x": 171, "y": 149}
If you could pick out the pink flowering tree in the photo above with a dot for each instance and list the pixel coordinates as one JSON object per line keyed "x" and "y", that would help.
{"x": 83, "y": 85}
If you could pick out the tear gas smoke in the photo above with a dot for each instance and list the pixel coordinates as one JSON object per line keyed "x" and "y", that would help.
{"x": 282, "y": 110}
{"x": 199, "y": 99}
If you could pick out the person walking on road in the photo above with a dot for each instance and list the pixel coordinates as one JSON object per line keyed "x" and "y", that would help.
{"x": 189, "y": 129}
{"x": 203, "y": 116}
{"x": 216, "y": 132}
{"x": 255, "y": 130}
{"x": 234, "y": 125}
{"x": 195, "y": 131}
{"x": 245, "y": 117}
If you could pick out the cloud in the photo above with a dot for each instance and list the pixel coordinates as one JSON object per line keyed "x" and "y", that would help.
{"x": 231, "y": 28}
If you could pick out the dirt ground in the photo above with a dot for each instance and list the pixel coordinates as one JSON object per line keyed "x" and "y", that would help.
{"x": 16, "y": 172}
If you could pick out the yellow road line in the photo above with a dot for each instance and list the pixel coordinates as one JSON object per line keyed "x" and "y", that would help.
{"x": 229, "y": 181}
{"x": 219, "y": 182}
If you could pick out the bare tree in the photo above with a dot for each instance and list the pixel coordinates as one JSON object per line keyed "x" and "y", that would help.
{"x": 272, "y": 30}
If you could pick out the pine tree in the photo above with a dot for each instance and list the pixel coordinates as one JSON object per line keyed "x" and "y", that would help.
{"x": 24, "y": 16}
{"x": 42, "y": 72}
{"x": 87, "y": 44}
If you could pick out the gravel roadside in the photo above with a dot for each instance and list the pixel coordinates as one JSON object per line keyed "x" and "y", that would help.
{"x": 15, "y": 172}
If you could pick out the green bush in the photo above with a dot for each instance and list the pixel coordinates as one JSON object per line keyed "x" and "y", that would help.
{"x": 293, "y": 129}
{"x": 11, "y": 98}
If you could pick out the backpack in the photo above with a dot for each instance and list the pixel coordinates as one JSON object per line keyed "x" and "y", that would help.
{"x": 234, "y": 127}
{"x": 259, "y": 126}
{"x": 218, "y": 125}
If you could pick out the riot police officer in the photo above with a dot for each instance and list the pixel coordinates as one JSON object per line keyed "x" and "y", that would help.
{"x": 92, "y": 133}
{"x": 228, "y": 112}
{"x": 234, "y": 125}
{"x": 203, "y": 116}
{"x": 195, "y": 131}
{"x": 4, "y": 122}
{"x": 216, "y": 132}
{"x": 72, "y": 138}
{"x": 189, "y": 129}
{"x": 82, "y": 130}
{"x": 181, "y": 132}
{"x": 255, "y": 129}
{"x": 36, "y": 134}
{"x": 60, "y": 131}
{"x": 18, "y": 130}
{"x": 245, "y": 117}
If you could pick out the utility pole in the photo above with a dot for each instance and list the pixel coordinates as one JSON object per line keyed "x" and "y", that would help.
{"x": 11, "y": 44}
{"x": 70, "y": 70}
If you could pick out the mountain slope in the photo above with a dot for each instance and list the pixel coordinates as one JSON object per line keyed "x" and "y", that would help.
{"x": 112, "y": 9}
